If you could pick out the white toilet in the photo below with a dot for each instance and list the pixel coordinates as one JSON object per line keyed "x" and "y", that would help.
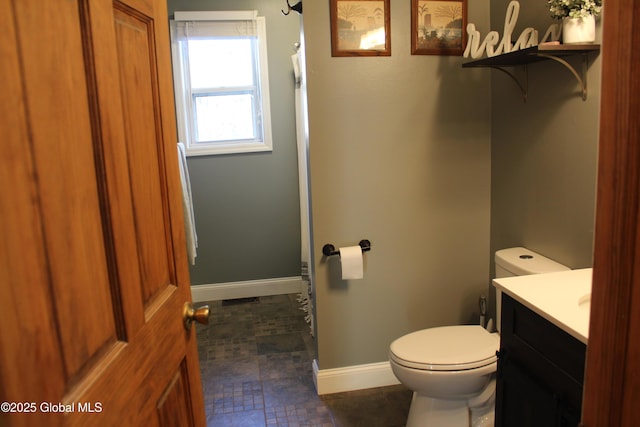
{"x": 451, "y": 369}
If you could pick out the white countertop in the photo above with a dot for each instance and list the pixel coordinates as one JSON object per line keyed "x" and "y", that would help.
{"x": 556, "y": 297}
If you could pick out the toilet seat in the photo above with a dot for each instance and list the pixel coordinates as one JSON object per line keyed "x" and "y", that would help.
{"x": 446, "y": 348}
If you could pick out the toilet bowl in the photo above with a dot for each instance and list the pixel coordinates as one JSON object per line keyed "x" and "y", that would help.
{"x": 446, "y": 367}
{"x": 451, "y": 369}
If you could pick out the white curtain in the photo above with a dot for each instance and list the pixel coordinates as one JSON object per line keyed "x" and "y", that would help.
{"x": 302, "y": 167}
{"x": 192, "y": 25}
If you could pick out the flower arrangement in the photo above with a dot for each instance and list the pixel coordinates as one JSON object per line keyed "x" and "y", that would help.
{"x": 574, "y": 8}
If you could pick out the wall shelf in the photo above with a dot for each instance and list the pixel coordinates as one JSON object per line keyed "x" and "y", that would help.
{"x": 523, "y": 57}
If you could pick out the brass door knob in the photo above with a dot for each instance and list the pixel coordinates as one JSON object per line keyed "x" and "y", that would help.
{"x": 200, "y": 315}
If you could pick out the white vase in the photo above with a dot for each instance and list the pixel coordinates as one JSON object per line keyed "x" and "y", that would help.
{"x": 579, "y": 30}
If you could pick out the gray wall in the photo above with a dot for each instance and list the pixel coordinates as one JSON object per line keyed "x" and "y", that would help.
{"x": 436, "y": 165}
{"x": 544, "y": 154}
{"x": 246, "y": 205}
{"x": 399, "y": 154}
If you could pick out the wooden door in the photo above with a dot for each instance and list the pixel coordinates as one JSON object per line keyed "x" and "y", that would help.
{"x": 612, "y": 380}
{"x": 93, "y": 264}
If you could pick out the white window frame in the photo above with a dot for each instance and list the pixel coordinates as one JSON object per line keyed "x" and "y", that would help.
{"x": 183, "y": 95}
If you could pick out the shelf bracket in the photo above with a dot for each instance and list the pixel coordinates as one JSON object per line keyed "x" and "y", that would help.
{"x": 509, "y": 62}
{"x": 582, "y": 80}
{"x": 523, "y": 85}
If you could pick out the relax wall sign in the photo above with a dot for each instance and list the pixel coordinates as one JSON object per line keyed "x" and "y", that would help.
{"x": 496, "y": 46}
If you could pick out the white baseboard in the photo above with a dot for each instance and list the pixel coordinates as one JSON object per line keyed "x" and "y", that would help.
{"x": 248, "y": 289}
{"x": 351, "y": 378}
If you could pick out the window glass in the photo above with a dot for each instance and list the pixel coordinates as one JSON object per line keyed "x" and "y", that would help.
{"x": 224, "y": 117}
{"x": 221, "y": 62}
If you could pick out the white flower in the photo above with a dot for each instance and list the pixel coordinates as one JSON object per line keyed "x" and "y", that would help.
{"x": 574, "y": 8}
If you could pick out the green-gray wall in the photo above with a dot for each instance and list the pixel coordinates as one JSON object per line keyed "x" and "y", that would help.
{"x": 437, "y": 165}
{"x": 544, "y": 153}
{"x": 400, "y": 155}
{"x": 247, "y": 205}
{"x": 408, "y": 152}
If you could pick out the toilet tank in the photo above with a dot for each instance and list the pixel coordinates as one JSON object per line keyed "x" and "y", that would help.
{"x": 520, "y": 262}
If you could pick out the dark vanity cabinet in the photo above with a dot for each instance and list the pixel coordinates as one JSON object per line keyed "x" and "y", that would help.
{"x": 540, "y": 371}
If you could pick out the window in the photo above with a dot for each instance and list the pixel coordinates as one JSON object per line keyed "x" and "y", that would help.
{"x": 221, "y": 82}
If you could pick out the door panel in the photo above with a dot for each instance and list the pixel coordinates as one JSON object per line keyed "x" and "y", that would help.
{"x": 67, "y": 182}
{"x": 134, "y": 43}
{"x": 23, "y": 258}
{"x": 93, "y": 261}
{"x": 173, "y": 407}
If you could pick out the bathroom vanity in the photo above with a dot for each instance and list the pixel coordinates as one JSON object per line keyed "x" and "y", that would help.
{"x": 543, "y": 340}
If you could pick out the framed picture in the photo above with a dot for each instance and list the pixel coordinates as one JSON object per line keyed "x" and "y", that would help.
{"x": 360, "y": 28}
{"x": 438, "y": 27}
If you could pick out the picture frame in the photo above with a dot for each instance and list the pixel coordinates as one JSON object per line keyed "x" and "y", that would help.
{"x": 438, "y": 27}
{"x": 360, "y": 28}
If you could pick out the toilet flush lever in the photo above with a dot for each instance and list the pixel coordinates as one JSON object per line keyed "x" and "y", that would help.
{"x": 200, "y": 315}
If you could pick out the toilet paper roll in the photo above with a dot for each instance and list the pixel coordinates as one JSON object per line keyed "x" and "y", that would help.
{"x": 351, "y": 260}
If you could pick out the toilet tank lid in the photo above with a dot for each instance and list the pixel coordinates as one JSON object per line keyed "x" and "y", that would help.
{"x": 522, "y": 261}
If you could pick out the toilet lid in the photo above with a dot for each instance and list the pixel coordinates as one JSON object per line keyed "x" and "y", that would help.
{"x": 447, "y": 348}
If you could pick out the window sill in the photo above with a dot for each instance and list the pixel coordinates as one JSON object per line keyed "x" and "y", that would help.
{"x": 227, "y": 149}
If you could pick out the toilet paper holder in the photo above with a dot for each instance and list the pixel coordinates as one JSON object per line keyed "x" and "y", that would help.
{"x": 329, "y": 249}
